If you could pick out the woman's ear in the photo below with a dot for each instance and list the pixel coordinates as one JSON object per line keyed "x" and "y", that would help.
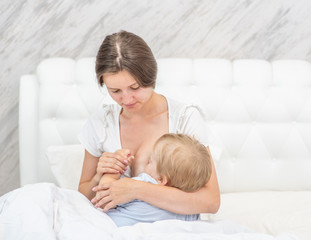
{"x": 162, "y": 180}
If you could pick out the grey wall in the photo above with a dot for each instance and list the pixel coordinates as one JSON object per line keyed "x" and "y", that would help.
{"x": 33, "y": 30}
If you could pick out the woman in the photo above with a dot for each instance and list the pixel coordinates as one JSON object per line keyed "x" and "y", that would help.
{"x": 126, "y": 65}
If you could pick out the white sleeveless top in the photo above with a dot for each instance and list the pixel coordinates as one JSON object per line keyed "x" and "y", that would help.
{"x": 101, "y": 132}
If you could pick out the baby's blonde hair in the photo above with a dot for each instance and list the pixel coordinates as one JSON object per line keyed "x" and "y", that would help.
{"x": 183, "y": 160}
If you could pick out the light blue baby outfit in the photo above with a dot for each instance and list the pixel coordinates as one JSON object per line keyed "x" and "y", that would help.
{"x": 138, "y": 211}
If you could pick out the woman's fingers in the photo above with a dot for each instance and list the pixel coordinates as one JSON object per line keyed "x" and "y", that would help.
{"x": 109, "y": 206}
{"x": 99, "y": 195}
{"x": 112, "y": 162}
{"x": 102, "y": 203}
{"x": 113, "y": 158}
{"x": 106, "y": 165}
{"x": 116, "y": 162}
{"x": 101, "y": 187}
{"x": 102, "y": 171}
{"x": 126, "y": 155}
{"x": 102, "y": 197}
{"x": 111, "y": 194}
{"x": 116, "y": 156}
{"x": 121, "y": 154}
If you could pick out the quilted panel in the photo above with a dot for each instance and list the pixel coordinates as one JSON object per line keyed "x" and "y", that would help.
{"x": 258, "y": 113}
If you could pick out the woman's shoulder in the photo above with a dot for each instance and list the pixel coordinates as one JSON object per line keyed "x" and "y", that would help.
{"x": 181, "y": 109}
{"x": 105, "y": 110}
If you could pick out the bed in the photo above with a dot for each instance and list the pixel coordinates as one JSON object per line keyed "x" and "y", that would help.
{"x": 259, "y": 122}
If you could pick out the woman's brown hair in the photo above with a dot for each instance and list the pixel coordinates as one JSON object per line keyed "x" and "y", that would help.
{"x": 126, "y": 51}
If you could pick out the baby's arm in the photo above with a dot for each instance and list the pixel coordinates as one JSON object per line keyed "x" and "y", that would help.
{"x": 109, "y": 177}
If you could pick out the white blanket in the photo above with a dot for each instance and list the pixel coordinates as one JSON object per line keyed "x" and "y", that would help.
{"x": 44, "y": 211}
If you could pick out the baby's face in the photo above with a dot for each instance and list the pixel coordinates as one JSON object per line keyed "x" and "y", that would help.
{"x": 151, "y": 167}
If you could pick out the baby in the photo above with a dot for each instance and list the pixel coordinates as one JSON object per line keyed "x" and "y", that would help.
{"x": 177, "y": 160}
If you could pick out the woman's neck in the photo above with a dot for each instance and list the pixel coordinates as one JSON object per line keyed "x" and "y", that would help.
{"x": 156, "y": 105}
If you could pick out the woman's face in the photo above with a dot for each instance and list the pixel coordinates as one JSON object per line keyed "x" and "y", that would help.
{"x": 125, "y": 91}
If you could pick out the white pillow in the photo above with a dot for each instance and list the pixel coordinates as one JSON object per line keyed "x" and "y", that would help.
{"x": 66, "y": 164}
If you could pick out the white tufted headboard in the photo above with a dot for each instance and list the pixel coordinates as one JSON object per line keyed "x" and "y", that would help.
{"x": 258, "y": 112}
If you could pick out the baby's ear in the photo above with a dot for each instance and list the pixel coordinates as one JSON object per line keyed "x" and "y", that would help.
{"x": 162, "y": 181}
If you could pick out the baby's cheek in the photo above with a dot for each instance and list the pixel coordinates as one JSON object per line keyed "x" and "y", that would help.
{"x": 148, "y": 168}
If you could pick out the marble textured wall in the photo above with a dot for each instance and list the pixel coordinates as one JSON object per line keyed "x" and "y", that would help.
{"x": 33, "y": 30}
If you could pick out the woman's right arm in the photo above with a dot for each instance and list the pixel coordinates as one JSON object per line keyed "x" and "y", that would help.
{"x": 89, "y": 176}
{"x": 95, "y": 167}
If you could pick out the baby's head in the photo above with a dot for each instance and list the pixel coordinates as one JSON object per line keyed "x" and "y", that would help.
{"x": 180, "y": 161}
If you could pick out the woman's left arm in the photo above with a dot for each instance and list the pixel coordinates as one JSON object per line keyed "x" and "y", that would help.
{"x": 206, "y": 200}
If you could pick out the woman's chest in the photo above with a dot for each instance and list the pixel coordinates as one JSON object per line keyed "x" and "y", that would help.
{"x": 140, "y": 139}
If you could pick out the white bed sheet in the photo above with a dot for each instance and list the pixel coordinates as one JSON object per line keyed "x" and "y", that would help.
{"x": 44, "y": 211}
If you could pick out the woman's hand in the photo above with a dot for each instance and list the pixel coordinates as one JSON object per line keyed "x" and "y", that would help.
{"x": 116, "y": 162}
{"x": 111, "y": 194}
